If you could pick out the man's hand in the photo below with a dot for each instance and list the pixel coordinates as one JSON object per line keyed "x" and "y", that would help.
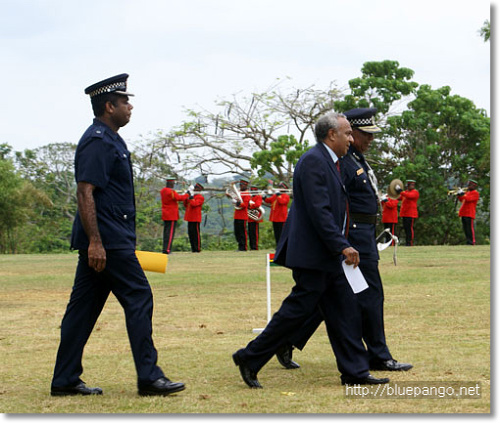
{"x": 86, "y": 207}
{"x": 351, "y": 256}
{"x": 97, "y": 256}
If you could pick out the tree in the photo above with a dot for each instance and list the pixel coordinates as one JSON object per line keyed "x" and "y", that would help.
{"x": 265, "y": 133}
{"x": 441, "y": 139}
{"x": 485, "y": 30}
{"x": 50, "y": 170}
{"x": 18, "y": 199}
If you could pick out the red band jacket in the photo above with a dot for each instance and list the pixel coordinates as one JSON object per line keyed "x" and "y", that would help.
{"x": 169, "y": 205}
{"x": 279, "y": 207}
{"x": 409, "y": 203}
{"x": 242, "y": 212}
{"x": 390, "y": 211}
{"x": 469, "y": 202}
{"x": 193, "y": 208}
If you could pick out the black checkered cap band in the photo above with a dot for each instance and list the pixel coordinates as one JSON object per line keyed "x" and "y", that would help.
{"x": 363, "y": 122}
{"x": 117, "y": 86}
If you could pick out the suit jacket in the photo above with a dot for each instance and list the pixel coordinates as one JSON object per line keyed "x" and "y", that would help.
{"x": 312, "y": 235}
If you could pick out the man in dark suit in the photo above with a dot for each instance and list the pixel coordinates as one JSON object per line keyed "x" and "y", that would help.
{"x": 361, "y": 186}
{"x": 313, "y": 245}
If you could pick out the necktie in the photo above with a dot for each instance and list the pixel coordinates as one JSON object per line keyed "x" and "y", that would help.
{"x": 345, "y": 230}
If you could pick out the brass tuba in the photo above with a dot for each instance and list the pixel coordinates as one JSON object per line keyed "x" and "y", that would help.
{"x": 234, "y": 193}
{"x": 256, "y": 214}
{"x": 395, "y": 188}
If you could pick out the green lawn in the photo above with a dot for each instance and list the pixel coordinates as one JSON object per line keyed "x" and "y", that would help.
{"x": 437, "y": 313}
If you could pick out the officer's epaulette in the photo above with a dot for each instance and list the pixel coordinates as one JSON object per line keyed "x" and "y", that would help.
{"x": 98, "y": 132}
{"x": 355, "y": 155}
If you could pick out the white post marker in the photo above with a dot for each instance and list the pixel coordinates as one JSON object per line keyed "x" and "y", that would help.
{"x": 268, "y": 277}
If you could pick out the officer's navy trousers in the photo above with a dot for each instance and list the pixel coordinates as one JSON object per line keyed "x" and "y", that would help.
{"x": 125, "y": 278}
{"x": 371, "y": 303}
{"x": 332, "y": 295}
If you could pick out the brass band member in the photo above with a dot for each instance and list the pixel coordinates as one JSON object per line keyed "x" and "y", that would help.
{"x": 253, "y": 225}
{"x": 192, "y": 216}
{"x": 170, "y": 213}
{"x": 279, "y": 209}
{"x": 409, "y": 211}
{"x": 241, "y": 217}
{"x": 467, "y": 211}
{"x": 390, "y": 215}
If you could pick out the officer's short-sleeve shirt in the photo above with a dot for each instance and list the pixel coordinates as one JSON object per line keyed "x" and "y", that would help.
{"x": 363, "y": 200}
{"x": 103, "y": 160}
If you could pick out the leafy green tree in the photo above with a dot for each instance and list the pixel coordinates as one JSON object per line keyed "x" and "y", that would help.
{"x": 485, "y": 30}
{"x": 440, "y": 140}
{"x": 50, "y": 170}
{"x": 380, "y": 85}
{"x": 265, "y": 133}
{"x": 18, "y": 200}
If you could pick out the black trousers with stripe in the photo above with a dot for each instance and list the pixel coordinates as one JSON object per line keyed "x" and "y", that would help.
{"x": 409, "y": 226}
{"x": 240, "y": 232}
{"x": 194, "y": 236}
{"x": 253, "y": 234}
{"x": 470, "y": 234}
{"x": 168, "y": 235}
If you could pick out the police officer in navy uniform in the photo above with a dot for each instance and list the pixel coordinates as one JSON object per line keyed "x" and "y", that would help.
{"x": 104, "y": 234}
{"x": 361, "y": 186}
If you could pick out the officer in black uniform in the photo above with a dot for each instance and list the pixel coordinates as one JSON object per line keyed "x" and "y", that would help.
{"x": 104, "y": 234}
{"x": 361, "y": 186}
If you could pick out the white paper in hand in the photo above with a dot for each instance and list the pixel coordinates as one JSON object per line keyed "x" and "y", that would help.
{"x": 354, "y": 277}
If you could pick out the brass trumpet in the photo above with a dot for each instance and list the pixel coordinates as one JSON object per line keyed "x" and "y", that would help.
{"x": 457, "y": 191}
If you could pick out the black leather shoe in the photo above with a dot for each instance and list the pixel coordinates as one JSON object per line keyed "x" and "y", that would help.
{"x": 248, "y": 376}
{"x": 284, "y": 356}
{"x": 390, "y": 365}
{"x": 162, "y": 386}
{"x": 79, "y": 389}
{"x": 368, "y": 380}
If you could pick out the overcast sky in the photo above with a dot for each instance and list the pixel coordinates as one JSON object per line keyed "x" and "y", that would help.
{"x": 181, "y": 54}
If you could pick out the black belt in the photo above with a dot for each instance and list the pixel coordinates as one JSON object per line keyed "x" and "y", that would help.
{"x": 363, "y": 218}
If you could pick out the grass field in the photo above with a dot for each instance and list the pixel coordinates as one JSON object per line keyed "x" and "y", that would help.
{"x": 437, "y": 312}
